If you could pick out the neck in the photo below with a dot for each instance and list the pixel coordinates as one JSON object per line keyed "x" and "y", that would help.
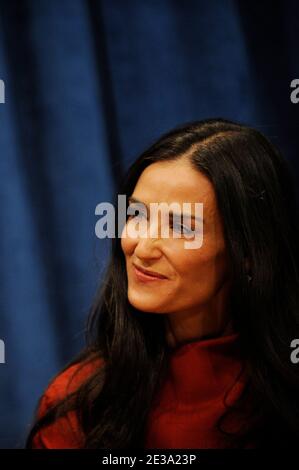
{"x": 194, "y": 329}
{"x": 208, "y": 320}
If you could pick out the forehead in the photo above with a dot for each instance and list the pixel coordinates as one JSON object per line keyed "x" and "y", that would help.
{"x": 174, "y": 181}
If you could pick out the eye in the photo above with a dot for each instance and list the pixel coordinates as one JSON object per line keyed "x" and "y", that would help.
{"x": 181, "y": 228}
{"x": 138, "y": 216}
{"x": 131, "y": 213}
{"x": 175, "y": 223}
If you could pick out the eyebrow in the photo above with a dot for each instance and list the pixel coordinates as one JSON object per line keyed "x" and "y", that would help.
{"x": 133, "y": 199}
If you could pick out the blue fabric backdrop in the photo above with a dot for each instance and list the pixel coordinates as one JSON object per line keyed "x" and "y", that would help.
{"x": 88, "y": 85}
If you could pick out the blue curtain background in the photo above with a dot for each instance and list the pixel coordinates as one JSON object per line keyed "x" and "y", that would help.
{"x": 88, "y": 85}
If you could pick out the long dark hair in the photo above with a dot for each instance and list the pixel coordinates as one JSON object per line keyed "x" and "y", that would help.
{"x": 256, "y": 198}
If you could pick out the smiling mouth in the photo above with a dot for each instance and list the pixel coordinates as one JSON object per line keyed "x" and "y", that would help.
{"x": 142, "y": 276}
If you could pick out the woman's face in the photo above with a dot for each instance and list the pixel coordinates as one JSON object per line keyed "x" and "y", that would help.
{"x": 196, "y": 279}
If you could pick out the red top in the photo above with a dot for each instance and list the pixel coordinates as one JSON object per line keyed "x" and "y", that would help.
{"x": 184, "y": 411}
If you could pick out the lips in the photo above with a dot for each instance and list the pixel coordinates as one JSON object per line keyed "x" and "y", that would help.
{"x": 149, "y": 273}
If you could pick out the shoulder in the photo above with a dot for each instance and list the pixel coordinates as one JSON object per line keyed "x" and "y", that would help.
{"x": 65, "y": 431}
{"x": 70, "y": 379}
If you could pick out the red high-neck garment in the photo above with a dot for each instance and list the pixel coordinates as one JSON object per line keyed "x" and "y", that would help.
{"x": 191, "y": 399}
{"x": 186, "y": 408}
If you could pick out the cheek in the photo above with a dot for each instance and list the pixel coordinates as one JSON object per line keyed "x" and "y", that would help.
{"x": 127, "y": 244}
{"x": 190, "y": 267}
{"x": 203, "y": 270}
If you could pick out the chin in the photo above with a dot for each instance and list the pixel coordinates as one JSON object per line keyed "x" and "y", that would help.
{"x": 144, "y": 306}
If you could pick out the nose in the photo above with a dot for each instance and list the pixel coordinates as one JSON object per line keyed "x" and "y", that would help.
{"x": 147, "y": 248}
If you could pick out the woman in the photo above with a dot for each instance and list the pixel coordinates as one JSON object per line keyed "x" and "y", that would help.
{"x": 200, "y": 357}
